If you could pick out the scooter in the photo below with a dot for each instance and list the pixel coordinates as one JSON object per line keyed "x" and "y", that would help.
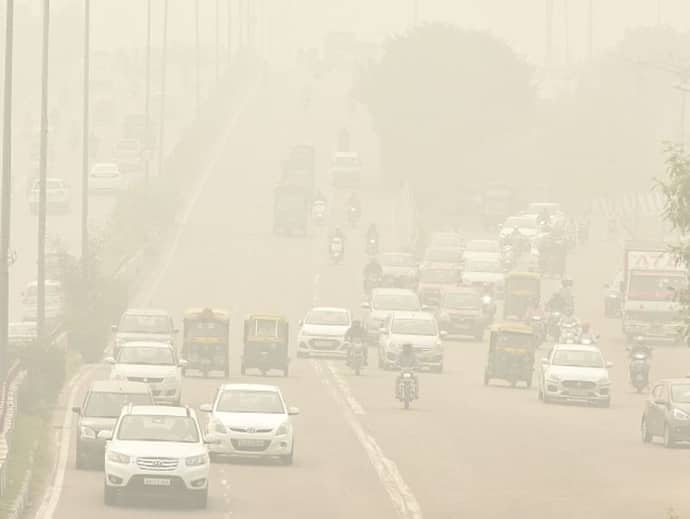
{"x": 318, "y": 212}
{"x": 353, "y": 214}
{"x": 336, "y": 249}
{"x": 356, "y": 357}
{"x": 638, "y": 370}
{"x": 407, "y": 388}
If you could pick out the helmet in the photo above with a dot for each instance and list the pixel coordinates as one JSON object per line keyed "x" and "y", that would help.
{"x": 407, "y": 347}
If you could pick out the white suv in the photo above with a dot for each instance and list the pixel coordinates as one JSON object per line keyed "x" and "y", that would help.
{"x": 153, "y": 363}
{"x": 156, "y": 451}
{"x": 251, "y": 420}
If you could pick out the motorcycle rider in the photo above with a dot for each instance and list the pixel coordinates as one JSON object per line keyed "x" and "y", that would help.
{"x": 356, "y": 334}
{"x": 544, "y": 220}
{"x": 337, "y": 235}
{"x": 407, "y": 361}
{"x": 640, "y": 353}
{"x": 586, "y": 335}
{"x": 372, "y": 271}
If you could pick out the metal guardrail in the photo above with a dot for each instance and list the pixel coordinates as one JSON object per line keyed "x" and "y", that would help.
{"x": 8, "y": 414}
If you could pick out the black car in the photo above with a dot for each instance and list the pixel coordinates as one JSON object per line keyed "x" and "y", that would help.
{"x": 667, "y": 412}
{"x": 613, "y": 299}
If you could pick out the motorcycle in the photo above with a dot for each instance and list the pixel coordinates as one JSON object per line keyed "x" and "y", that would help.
{"x": 538, "y": 326}
{"x": 372, "y": 246}
{"x": 638, "y": 369}
{"x": 356, "y": 357}
{"x": 318, "y": 212}
{"x": 353, "y": 214}
{"x": 336, "y": 249}
{"x": 406, "y": 388}
{"x": 553, "y": 324}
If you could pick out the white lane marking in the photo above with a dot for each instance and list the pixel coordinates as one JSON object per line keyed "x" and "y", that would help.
{"x": 404, "y": 501}
{"x": 53, "y": 493}
{"x": 192, "y": 202}
{"x": 355, "y": 406}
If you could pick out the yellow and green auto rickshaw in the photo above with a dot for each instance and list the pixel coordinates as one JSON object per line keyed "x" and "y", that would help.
{"x": 205, "y": 340}
{"x": 265, "y": 343}
{"x": 511, "y": 353}
{"x": 521, "y": 290}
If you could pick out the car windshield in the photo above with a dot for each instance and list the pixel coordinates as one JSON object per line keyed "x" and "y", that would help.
{"x": 105, "y": 171}
{"x": 446, "y": 241}
{"x": 328, "y": 317}
{"x": 578, "y": 358}
{"x": 438, "y": 276}
{"x": 396, "y": 302}
{"x": 680, "y": 393}
{"x": 22, "y": 329}
{"x": 521, "y": 223}
{"x": 153, "y": 355}
{"x": 250, "y": 401}
{"x": 442, "y": 255}
{"x": 398, "y": 260}
{"x": 158, "y": 428}
{"x": 109, "y": 405}
{"x": 483, "y": 246}
{"x": 456, "y": 301}
{"x": 483, "y": 266}
{"x": 414, "y": 327}
{"x": 513, "y": 340}
{"x": 142, "y": 323}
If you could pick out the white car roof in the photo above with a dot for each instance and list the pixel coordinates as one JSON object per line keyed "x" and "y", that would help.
{"x": 160, "y": 410}
{"x": 392, "y": 291}
{"x": 249, "y": 387}
{"x": 147, "y": 344}
{"x": 104, "y": 165}
{"x": 425, "y": 316}
{"x": 329, "y": 309}
{"x": 577, "y": 347}
{"x": 146, "y": 311}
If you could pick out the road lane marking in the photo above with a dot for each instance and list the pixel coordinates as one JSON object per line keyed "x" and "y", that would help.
{"x": 404, "y": 501}
{"x": 53, "y": 493}
{"x": 355, "y": 406}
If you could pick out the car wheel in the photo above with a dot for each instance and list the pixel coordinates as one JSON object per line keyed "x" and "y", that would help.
{"x": 200, "y": 500}
{"x": 669, "y": 440}
{"x": 109, "y": 495}
{"x": 288, "y": 458}
{"x": 644, "y": 431}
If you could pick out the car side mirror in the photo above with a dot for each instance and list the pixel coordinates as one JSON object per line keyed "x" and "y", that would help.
{"x": 182, "y": 363}
{"x": 105, "y": 435}
{"x": 113, "y": 328}
{"x": 443, "y": 334}
{"x": 544, "y": 361}
{"x": 109, "y": 360}
{"x": 365, "y": 306}
{"x": 609, "y": 364}
{"x": 76, "y": 409}
{"x": 292, "y": 411}
{"x": 206, "y": 408}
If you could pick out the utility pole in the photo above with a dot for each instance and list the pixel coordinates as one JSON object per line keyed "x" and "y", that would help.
{"x": 6, "y": 188}
{"x": 197, "y": 58}
{"x": 147, "y": 98}
{"x": 41, "y": 300}
{"x": 240, "y": 24}
{"x": 415, "y": 13}
{"x": 164, "y": 66}
{"x": 658, "y": 12}
{"x": 229, "y": 35}
{"x": 566, "y": 32}
{"x": 85, "y": 142}
{"x": 548, "y": 56}
{"x": 217, "y": 42}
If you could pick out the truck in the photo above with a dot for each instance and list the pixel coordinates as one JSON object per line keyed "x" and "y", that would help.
{"x": 653, "y": 278}
{"x": 290, "y": 209}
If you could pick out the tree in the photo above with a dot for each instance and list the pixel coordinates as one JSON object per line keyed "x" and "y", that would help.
{"x": 676, "y": 191}
{"x": 449, "y": 105}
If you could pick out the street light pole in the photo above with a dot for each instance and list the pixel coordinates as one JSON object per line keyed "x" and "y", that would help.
{"x": 6, "y": 188}
{"x": 590, "y": 31}
{"x": 229, "y": 35}
{"x": 85, "y": 142}
{"x": 197, "y": 58}
{"x": 147, "y": 98}
{"x": 164, "y": 65}
{"x": 415, "y": 13}
{"x": 548, "y": 56}
{"x": 217, "y": 42}
{"x": 41, "y": 299}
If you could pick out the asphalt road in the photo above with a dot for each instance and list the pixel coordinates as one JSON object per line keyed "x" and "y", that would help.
{"x": 463, "y": 450}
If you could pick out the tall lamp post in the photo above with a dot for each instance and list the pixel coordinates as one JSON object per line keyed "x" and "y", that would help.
{"x": 164, "y": 66}
{"x": 85, "y": 142}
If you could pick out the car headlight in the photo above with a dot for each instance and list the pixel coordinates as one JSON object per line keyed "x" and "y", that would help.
{"x": 117, "y": 457}
{"x": 283, "y": 429}
{"x": 553, "y": 377}
{"x": 679, "y": 414}
{"x": 87, "y": 433}
{"x": 486, "y": 300}
{"x": 195, "y": 461}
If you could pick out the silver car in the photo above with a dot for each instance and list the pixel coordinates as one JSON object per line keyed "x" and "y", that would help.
{"x": 575, "y": 372}
{"x": 419, "y": 329}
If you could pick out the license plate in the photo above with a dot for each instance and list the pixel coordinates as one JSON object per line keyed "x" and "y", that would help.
{"x": 578, "y": 392}
{"x": 157, "y": 482}
{"x": 250, "y": 443}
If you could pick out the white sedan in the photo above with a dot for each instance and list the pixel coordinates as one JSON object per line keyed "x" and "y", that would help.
{"x": 416, "y": 328}
{"x": 105, "y": 177}
{"x": 575, "y": 372}
{"x": 250, "y": 420}
{"x": 322, "y": 332}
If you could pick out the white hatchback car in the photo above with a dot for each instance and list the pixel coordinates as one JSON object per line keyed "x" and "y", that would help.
{"x": 251, "y": 420}
{"x": 416, "y": 328}
{"x": 153, "y": 363}
{"x": 322, "y": 332}
{"x": 105, "y": 177}
{"x": 156, "y": 451}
